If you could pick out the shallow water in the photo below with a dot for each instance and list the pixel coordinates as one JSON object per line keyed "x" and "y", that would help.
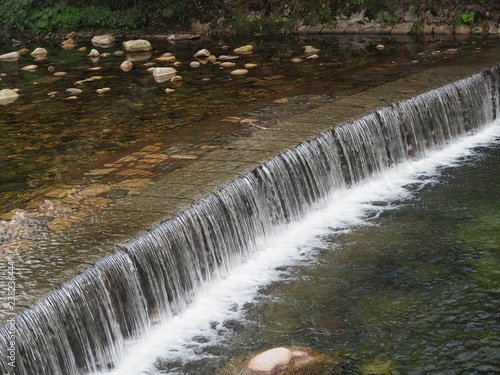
{"x": 46, "y": 138}
{"x": 399, "y": 275}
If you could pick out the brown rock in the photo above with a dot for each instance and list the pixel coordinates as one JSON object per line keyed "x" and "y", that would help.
{"x": 95, "y": 189}
{"x": 59, "y": 192}
{"x": 60, "y": 223}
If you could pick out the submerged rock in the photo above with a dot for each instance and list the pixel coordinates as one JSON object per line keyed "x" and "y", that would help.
{"x": 103, "y": 90}
{"x": 178, "y": 37}
{"x": 311, "y": 50}
{"x": 244, "y": 49}
{"x": 7, "y": 96}
{"x": 227, "y": 57}
{"x": 69, "y": 43}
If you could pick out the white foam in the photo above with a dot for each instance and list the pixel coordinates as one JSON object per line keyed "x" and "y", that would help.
{"x": 345, "y": 209}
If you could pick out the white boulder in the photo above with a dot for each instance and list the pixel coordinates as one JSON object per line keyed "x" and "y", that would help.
{"x": 137, "y": 45}
{"x": 7, "y": 96}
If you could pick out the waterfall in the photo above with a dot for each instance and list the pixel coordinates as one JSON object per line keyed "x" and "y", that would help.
{"x": 85, "y": 325}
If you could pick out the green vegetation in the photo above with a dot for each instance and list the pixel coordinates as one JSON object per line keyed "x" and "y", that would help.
{"x": 49, "y": 17}
{"x": 467, "y": 17}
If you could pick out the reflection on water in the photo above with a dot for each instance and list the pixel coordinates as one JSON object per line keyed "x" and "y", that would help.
{"x": 45, "y": 134}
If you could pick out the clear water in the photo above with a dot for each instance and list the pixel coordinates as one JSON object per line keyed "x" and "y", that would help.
{"x": 45, "y": 138}
{"x": 399, "y": 276}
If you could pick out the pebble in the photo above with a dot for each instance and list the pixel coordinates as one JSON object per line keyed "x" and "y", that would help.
{"x": 39, "y": 51}
{"x": 227, "y": 64}
{"x": 227, "y": 57}
{"x": 380, "y": 47}
{"x": 202, "y": 53}
{"x": 126, "y": 66}
{"x": 194, "y": 64}
{"x": 73, "y": 91}
{"x": 30, "y": 67}
{"x": 165, "y": 58}
{"x": 244, "y": 49}
{"x": 168, "y": 90}
{"x": 103, "y": 90}
{"x": 239, "y": 72}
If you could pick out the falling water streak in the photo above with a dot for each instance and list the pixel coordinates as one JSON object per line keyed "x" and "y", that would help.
{"x": 84, "y": 326}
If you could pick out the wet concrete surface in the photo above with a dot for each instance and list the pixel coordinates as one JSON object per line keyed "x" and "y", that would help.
{"x": 225, "y": 148}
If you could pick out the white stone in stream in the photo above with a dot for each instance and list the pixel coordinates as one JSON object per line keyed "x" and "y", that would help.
{"x": 103, "y": 40}
{"x": 73, "y": 91}
{"x": 93, "y": 53}
{"x": 271, "y": 360}
{"x": 11, "y": 56}
{"x": 30, "y": 68}
{"x": 137, "y": 45}
{"x": 194, "y": 64}
{"x": 8, "y": 96}
{"x": 126, "y": 66}
{"x": 239, "y": 72}
{"x": 163, "y": 74}
{"x": 39, "y": 52}
{"x": 202, "y": 53}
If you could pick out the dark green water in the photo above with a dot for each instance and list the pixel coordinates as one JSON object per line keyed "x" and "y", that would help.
{"x": 418, "y": 293}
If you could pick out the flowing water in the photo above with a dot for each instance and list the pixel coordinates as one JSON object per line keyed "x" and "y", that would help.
{"x": 169, "y": 292}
